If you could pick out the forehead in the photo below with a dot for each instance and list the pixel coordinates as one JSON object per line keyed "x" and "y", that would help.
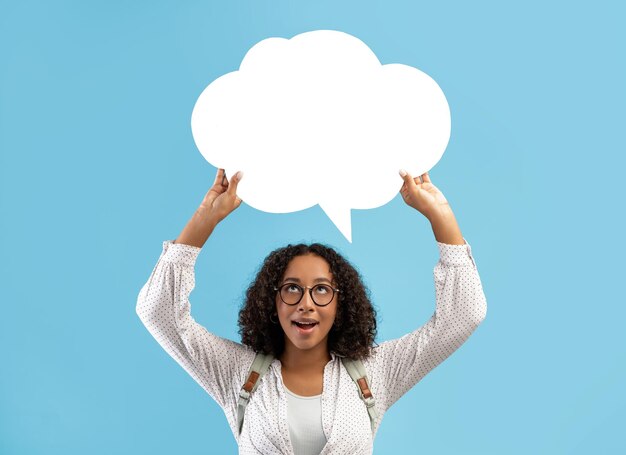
{"x": 309, "y": 266}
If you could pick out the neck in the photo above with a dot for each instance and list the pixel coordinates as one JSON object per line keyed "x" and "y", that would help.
{"x": 314, "y": 359}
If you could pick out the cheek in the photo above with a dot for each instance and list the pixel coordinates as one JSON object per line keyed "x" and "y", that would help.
{"x": 331, "y": 317}
{"x": 334, "y": 317}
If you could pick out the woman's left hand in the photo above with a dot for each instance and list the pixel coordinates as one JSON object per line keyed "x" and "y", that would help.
{"x": 423, "y": 196}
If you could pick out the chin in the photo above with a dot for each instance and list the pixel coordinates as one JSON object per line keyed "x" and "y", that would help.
{"x": 305, "y": 346}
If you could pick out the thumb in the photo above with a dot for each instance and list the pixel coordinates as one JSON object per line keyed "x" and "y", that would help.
{"x": 232, "y": 185}
{"x": 408, "y": 178}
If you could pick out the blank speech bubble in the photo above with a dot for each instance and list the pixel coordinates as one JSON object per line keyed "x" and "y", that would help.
{"x": 316, "y": 119}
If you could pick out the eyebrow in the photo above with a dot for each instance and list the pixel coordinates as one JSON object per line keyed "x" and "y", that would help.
{"x": 316, "y": 280}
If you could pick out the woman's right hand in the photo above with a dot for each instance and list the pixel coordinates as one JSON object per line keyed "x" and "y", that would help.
{"x": 222, "y": 198}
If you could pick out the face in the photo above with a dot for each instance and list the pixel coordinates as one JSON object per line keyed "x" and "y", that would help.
{"x": 307, "y": 270}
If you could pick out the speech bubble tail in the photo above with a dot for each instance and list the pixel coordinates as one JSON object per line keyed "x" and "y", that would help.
{"x": 341, "y": 218}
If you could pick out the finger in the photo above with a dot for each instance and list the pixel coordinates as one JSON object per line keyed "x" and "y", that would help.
{"x": 219, "y": 177}
{"x": 426, "y": 177}
{"x": 408, "y": 179}
{"x": 234, "y": 180}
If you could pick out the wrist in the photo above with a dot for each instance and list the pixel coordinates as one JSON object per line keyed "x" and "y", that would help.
{"x": 198, "y": 229}
{"x": 442, "y": 215}
{"x": 206, "y": 215}
{"x": 446, "y": 229}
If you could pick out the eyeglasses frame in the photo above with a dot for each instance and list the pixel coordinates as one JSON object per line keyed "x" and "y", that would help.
{"x": 310, "y": 288}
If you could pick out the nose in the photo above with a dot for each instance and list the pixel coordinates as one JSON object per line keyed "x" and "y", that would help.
{"x": 306, "y": 303}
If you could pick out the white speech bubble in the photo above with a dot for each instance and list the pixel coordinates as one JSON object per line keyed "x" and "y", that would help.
{"x": 316, "y": 119}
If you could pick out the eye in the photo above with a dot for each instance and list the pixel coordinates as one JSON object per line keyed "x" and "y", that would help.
{"x": 322, "y": 289}
{"x": 292, "y": 288}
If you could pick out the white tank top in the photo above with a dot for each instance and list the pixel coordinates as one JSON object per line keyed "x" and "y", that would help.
{"x": 304, "y": 415}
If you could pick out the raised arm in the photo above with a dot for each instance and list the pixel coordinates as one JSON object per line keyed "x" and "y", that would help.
{"x": 397, "y": 365}
{"x": 215, "y": 363}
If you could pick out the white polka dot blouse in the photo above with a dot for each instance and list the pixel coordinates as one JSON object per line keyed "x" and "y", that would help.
{"x": 220, "y": 366}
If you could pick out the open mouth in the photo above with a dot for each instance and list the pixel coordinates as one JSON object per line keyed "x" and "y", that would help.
{"x": 304, "y": 326}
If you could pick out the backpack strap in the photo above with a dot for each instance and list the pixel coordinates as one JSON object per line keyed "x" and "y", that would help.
{"x": 357, "y": 372}
{"x": 259, "y": 367}
{"x": 261, "y": 364}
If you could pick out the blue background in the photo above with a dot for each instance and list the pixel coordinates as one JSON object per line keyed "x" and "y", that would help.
{"x": 98, "y": 167}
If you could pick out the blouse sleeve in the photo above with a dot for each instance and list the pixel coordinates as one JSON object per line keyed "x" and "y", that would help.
{"x": 397, "y": 365}
{"x": 218, "y": 365}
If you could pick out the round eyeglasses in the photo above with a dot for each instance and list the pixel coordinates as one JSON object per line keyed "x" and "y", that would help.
{"x": 321, "y": 294}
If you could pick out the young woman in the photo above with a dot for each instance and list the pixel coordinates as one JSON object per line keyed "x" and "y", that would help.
{"x": 309, "y": 308}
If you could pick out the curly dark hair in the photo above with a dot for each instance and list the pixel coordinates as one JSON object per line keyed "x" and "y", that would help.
{"x": 354, "y": 330}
